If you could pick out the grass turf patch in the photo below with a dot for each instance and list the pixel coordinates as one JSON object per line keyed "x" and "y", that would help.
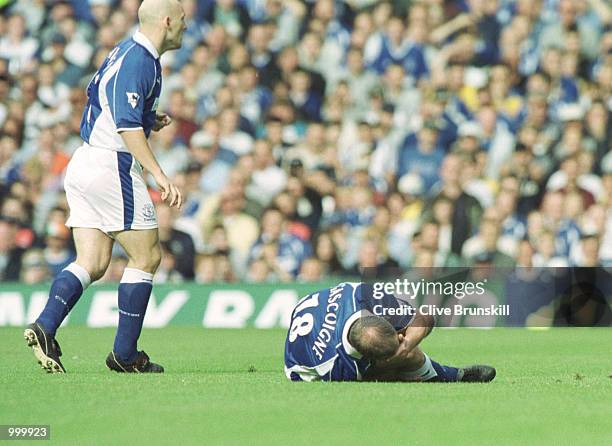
{"x": 228, "y": 387}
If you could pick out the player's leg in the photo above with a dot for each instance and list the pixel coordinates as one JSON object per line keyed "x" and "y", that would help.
{"x": 417, "y": 366}
{"x": 411, "y": 364}
{"x": 414, "y": 366}
{"x": 86, "y": 190}
{"x": 93, "y": 256}
{"x": 397, "y": 369}
{"x": 144, "y": 254}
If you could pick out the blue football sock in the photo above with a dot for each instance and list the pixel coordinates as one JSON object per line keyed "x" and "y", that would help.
{"x": 444, "y": 372}
{"x": 433, "y": 372}
{"x": 134, "y": 292}
{"x": 65, "y": 291}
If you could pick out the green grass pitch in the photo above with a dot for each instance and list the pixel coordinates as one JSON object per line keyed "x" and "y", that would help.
{"x": 227, "y": 387}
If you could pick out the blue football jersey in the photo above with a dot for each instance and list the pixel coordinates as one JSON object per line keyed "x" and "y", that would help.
{"x": 123, "y": 94}
{"x": 317, "y": 346}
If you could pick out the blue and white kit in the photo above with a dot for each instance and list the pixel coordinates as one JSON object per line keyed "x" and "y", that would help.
{"x": 317, "y": 346}
{"x": 104, "y": 184}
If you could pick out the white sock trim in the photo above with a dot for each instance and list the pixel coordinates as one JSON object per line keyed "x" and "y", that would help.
{"x": 425, "y": 372}
{"x": 80, "y": 273}
{"x": 133, "y": 275}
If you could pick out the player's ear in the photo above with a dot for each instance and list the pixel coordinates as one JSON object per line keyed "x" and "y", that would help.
{"x": 400, "y": 337}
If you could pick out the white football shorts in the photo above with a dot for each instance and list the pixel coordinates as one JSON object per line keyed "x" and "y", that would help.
{"x": 105, "y": 190}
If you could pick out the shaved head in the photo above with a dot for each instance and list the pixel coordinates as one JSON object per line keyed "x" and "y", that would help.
{"x": 374, "y": 337}
{"x": 152, "y": 11}
{"x": 163, "y": 22}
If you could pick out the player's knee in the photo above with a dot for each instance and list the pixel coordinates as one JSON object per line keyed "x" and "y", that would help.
{"x": 413, "y": 355}
{"x": 95, "y": 270}
{"x": 95, "y": 267}
{"x": 96, "y": 274}
{"x": 150, "y": 263}
{"x": 155, "y": 259}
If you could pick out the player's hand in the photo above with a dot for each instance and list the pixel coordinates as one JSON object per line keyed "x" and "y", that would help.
{"x": 405, "y": 347}
{"x": 161, "y": 121}
{"x": 418, "y": 329}
{"x": 169, "y": 192}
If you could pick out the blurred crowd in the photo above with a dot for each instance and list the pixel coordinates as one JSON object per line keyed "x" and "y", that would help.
{"x": 314, "y": 138}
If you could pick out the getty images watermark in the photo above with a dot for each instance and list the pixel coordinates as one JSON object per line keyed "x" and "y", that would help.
{"x": 484, "y": 295}
{"x": 409, "y": 289}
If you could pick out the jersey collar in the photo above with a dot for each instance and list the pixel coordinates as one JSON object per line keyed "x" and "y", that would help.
{"x": 143, "y": 40}
{"x": 350, "y": 350}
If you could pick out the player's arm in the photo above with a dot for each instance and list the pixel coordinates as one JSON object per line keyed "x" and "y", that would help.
{"x": 134, "y": 80}
{"x": 411, "y": 329}
{"x": 393, "y": 369}
{"x": 136, "y": 142}
{"x": 412, "y": 335}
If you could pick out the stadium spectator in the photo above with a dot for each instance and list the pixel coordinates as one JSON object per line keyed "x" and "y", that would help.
{"x": 488, "y": 246}
{"x": 177, "y": 243}
{"x": 10, "y": 253}
{"x": 34, "y": 269}
{"x": 311, "y": 270}
{"x": 16, "y": 46}
{"x": 372, "y": 261}
{"x": 167, "y": 271}
{"x": 267, "y": 179}
{"x": 283, "y": 251}
{"x": 205, "y": 269}
{"x": 58, "y": 253}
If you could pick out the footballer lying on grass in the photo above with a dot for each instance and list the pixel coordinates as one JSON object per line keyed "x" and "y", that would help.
{"x": 334, "y": 336}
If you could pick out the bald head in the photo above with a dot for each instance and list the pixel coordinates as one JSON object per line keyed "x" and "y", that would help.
{"x": 153, "y": 11}
{"x": 374, "y": 337}
{"x": 163, "y": 22}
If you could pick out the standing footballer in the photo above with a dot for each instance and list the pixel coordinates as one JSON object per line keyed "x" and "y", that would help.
{"x": 107, "y": 194}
